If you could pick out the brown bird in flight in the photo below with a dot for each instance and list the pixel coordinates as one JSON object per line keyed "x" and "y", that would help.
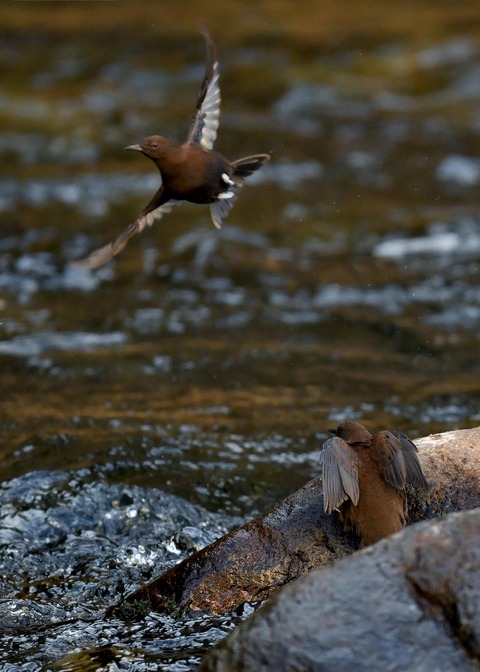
{"x": 364, "y": 476}
{"x": 193, "y": 171}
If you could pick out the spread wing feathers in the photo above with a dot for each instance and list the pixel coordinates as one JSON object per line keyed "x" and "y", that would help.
{"x": 340, "y": 474}
{"x": 150, "y": 215}
{"x": 387, "y": 452}
{"x": 203, "y": 129}
{"x": 415, "y": 474}
{"x": 104, "y": 254}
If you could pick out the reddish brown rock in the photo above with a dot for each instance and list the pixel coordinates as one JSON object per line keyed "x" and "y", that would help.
{"x": 247, "y": 564}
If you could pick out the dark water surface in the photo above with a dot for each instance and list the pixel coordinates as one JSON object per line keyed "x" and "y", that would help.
{"x": 151, "y": 405}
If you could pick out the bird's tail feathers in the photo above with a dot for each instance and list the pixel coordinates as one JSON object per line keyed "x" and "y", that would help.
{"x": 249, "y": 164}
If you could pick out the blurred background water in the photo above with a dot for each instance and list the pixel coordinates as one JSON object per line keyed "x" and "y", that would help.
{"x": 150, "y": 405}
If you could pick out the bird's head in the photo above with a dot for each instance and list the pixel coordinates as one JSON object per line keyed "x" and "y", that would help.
{"x": 154, "y": 146}
{"x": 352, "y": 432}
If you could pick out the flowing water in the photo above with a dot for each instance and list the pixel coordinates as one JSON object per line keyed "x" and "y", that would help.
{"x": 151, "y": 405}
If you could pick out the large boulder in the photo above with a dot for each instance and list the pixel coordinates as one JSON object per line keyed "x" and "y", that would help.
{"x": 410, "y": 603}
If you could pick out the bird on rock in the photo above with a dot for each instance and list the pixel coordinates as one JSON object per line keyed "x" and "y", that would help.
{"x": 365, "y": 476}
{"x": 193, "y": 171}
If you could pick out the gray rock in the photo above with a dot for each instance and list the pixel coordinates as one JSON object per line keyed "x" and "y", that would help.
{"x": 408, "y": 603}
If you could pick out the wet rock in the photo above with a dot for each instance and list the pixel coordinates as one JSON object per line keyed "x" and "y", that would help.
{"x": 410, "y": 603}
{"x": 296, "y": 536}
{"x": 249, "y": 563}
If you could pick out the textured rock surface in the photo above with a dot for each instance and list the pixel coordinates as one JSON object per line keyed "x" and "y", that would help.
{"x": 249, "y": 563}
{"x": 408, "y": 603}
{"x": 451, "y": 461}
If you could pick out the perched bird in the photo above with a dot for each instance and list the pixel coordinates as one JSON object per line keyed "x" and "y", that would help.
{"x": 364, "y": 476}
{"x": 192, "y": 172}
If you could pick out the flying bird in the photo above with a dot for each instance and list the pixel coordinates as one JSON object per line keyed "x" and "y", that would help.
{"x": 365, "y": 476}
{"x": 193, "y": 171}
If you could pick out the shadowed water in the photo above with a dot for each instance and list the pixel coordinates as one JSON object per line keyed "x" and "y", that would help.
{"x": 151, "y": 405}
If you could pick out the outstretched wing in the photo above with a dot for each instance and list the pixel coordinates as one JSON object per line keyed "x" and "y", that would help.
{"x": 386, "y": 450}
{"x": 340, "y": 474}
{"x": 397, "y": 458}
{"x": 147, "y": 217}
{"x": 414, "y": 471}
{"x": 203, "y": 129}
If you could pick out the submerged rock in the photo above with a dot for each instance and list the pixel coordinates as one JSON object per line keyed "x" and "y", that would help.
{"x": 408, "y": 603}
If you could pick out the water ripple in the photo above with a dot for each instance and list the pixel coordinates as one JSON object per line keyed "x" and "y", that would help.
{"x": 36, "y": 344}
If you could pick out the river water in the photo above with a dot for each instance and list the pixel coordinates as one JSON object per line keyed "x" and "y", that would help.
{"x": 151, "y": 405}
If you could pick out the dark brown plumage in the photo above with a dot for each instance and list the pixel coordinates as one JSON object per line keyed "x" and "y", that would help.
{"x": 193, "y": 171}
{"x": 364, "y": 476}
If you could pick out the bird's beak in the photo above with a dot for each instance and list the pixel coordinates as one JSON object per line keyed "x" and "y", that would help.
{"x": 134, "y": 148}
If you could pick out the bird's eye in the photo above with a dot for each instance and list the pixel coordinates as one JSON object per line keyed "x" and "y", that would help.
{"x": 154, "y": 143}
